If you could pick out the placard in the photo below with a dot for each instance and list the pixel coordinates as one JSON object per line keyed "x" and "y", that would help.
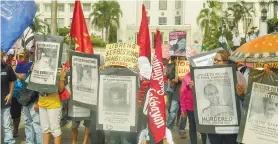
{"x": 178, "y": 43}
{"x": 121, "y": 54}
{"x": 182, "y": 68}
{"x": 260, "y": 102}
{"x": 84, "y": 79}
{"x": 117, "y": 100}
{"x": 204, "y": 59}
{"x": 165, "y": 51}
{"x": 48, "y": 51}
{"x": 216, "y": 106}
{"x": 78, "y": 113}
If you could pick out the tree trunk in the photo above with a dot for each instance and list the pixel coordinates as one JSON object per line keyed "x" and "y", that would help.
{"x": 106, "y": 34}
{"x": 275, "y": 8}
{"x": 54, "y": 17}
{"x": 102, "y": 33}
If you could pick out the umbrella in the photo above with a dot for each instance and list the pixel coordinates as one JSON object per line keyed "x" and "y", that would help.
{"x": 263, "y": 49}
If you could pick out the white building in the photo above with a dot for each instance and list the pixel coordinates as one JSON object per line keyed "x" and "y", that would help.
{"x": 65, "y": 10}
{"x": 165, "y": 15}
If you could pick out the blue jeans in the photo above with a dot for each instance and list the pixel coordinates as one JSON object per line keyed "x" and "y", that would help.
{"x": 32, "y": 125}
{"x": 175, "y": 106}
{"x": 6, "y": 126}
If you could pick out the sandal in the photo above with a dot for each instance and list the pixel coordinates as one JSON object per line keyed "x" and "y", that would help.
{"x": 183, "y": 135}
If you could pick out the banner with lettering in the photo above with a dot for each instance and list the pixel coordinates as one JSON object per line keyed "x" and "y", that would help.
{"x": 177, "y": 43}
{"x": 156, "y": 106}
{"x": 122, "y": 54}
{"x": 48, "y": 51}
{"x": 182, "y": 68}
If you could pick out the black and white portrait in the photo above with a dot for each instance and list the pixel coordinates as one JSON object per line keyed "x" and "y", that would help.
{"x": 116, "y": 98}
{"x": 260, "y": 122}
{"x": 46, "y": 58}
{"x": 268, "y": 111}
{"x": 84, "y": 79}
{"x": 218, "y": 103}
{"x": 215, "y": 96}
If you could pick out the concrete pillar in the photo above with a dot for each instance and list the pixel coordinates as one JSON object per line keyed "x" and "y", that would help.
{"x": 263, "y": 28}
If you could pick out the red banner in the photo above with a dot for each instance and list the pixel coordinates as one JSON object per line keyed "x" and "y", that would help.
{"x": 156, "y": 105}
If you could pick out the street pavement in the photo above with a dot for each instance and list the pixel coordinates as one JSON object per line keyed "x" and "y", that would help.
{"x": 67, "y": 135}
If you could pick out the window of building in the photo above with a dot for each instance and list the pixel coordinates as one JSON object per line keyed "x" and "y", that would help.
{"x": 61, "y": 22}
{"x": 47, "y": 7}
{"x": 178, "y": 4}
{"x": 162, "y": 20}
{"x": 178, "y": 20}
{"x": 148, "y": 20}
{"x": 71, "y": 7}
{"x": 162, "y": 4}
{"x": 61, "y": 8}
{"x": 47, "y": 20}
{"x": 147, "y": 4}
{"x": 204, "y": 5}
{"x": 87, "y": 7}
{"x": 70, "y": 20}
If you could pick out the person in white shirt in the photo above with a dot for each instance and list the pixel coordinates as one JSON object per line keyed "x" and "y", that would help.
{"x": 236, "y": 41}
{"x": 223, "y": 41}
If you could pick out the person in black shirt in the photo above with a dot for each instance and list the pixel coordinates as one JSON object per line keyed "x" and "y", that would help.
{"x": 8, "y": 78}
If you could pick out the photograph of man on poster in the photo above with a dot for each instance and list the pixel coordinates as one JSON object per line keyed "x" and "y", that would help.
{"x": 85, "y": 78}
{"x": 217, "y": 106}
{"x": 116, "y": 100}
{"x": 270, "y": 109}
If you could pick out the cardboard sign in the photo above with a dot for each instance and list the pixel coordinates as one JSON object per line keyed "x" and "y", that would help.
{"x": 121, "y": 54}
{"x": 182, "y": 68}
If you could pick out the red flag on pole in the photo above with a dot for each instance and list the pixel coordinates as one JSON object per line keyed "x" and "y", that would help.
{"x": 156, "y": 105}
{"x": 79, "y": 30}
{"x": 143, "y": 39}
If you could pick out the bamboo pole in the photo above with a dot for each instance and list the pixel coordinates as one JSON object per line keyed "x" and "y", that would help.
{"x": 54, "y": 17}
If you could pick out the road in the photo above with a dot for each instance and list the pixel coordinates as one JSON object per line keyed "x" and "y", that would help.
{"x": 67, "y": 135}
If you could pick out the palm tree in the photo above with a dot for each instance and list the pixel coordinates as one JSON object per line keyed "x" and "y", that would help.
{"x": 208, "y": 19}
{"x": 241, "y": 12}
{"x": 105, "y": 14}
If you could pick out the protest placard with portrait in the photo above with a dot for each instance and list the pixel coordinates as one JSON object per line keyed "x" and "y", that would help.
{"x": 84, "y": 79}
{"x": 216, "y": 106}
{"x": 178, "y": 43}
{"x": 48, "y": 51}
{"x": 117, "y": 100}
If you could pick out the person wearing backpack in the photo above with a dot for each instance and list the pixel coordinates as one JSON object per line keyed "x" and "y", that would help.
{"x": 28, "y": 99}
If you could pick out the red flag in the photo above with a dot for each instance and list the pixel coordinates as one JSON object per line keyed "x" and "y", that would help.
{"x": 79, "y": 30}
{"x": 143, "y": 39}
{"x": 156, "y": 105}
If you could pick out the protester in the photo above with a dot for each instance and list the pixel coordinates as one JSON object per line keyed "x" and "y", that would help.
{"x": 221, "y": 58}
{"x": 222, "y": 41}
{"x": 74, "y": 132}
{"x": 50, "y": 108}
{"x": 236, "y": 41}
{"x": 187, "y": 109}
{"x": 175, "y": 103}
{"x": 32, "y": 125}
{"x": 8, "y": 78}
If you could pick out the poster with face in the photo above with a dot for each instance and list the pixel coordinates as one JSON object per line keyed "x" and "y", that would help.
{"x": 117, "y": 100}
{"x": 178, "y": 43}
{"x": 44, "y": 76}
{"x": 84, "y": 79}
{"x": 261, "y": 120}
{"x": 215, "y": 99}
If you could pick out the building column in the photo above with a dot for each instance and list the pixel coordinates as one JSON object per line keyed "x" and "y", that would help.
{"x": 263, "y": 28}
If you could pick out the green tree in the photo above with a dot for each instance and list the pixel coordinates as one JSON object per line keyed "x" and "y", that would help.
{"x": 40, "y": 25}
{"x": 113, "y": 34}
{"x": 105, "y": 14}
{"x": 272, "y": 25}
{"x": 241, "y": 12}
{"x": 208, "y": 19}
{"x": 63, "y": 31}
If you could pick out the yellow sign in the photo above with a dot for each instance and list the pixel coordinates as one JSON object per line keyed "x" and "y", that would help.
{"x": 265, "y": 65}
{"x": 121, "y": 54}
{"x": 182, "y": 68}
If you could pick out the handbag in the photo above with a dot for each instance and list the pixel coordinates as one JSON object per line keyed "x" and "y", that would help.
{"x": 26, "y": 96}
{"x": 65, "y": 95}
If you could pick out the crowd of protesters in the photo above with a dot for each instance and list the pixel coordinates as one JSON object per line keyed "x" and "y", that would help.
{"x": 43, "y": 113}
